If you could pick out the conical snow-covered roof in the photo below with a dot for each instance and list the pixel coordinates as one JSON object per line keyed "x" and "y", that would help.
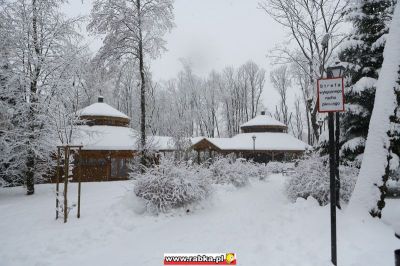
{"x": 101, "y": 109}
{"x": 101, "y": 113}
{"x": 263, "y": 120}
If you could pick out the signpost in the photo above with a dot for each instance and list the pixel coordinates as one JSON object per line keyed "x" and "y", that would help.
{"x": 330, "y": 95}
{"x": 330, "y": 100}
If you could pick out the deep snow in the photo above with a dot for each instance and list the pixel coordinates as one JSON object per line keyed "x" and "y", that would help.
{"x": 257, "y": 222}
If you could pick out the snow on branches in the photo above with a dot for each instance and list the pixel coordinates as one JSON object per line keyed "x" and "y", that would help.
{"x": 370, "y": 191}
{"x": 311, "y": 178}
{"x": 236, "y": 172}
{"x": 172, "y": 185}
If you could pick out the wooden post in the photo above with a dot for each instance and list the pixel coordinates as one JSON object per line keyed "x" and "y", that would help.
{"x": 66, "y": 172}
{"x": 57, "y": 180}
{"x": 109, "y": 165}
{"x": 198, "y": 157}
{"x": 79, "y": 182}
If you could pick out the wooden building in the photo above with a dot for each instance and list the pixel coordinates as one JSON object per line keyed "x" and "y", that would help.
{"x": 262, "y": 139}
{"x": 109, "y": 144}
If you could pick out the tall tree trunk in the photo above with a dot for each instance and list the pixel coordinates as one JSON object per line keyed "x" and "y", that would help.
{"x": 308, "y": 127}
{"x": 313, "y": 109}
{"x": 314, "y": 123}
{"x": 142, "y": 88}
{"x": 30, "y": 160}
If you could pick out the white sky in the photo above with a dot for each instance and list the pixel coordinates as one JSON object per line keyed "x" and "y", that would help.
{"x": 212, "y": 34}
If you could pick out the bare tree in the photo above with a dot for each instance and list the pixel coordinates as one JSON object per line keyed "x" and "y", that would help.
{"x": 255, "y": 79}
{"x": 281, "y": 81}
{"x": 303, "y": 82}
{"x": 240, "y": 92}
{"x": 308, "y": 22}
{"x": 298, "y": 127}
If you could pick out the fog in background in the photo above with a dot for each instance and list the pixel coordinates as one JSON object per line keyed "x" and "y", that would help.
{"x": 211, "y": 34}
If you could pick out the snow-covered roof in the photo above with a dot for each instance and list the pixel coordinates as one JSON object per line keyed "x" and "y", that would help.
{"x": 264, "y": 142}
{"x": 101, "y": 109}
{"x": 222, "y": 143}
{"x": 196, "y": 140}
{"x": 117, "y": 138}
{"x": 263, "y": 120}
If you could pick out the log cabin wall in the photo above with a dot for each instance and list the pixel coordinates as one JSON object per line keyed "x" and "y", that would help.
{"x": 105, "y": 121}
{"x": 206, "y": 149}
{"x": 262, "y": 129}
{"x": 103, "y": 165}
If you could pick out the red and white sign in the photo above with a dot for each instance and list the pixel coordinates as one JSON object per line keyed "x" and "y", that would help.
{"x": 330, "y": 95}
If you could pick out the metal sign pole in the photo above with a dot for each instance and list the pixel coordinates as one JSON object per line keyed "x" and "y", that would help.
{"x": 331, "y": 100}
{"x": 337, "y": 158}
{"x": 332, "y": 187}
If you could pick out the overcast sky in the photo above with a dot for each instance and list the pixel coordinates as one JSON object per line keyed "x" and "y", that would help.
{"x": 211, "y": 34}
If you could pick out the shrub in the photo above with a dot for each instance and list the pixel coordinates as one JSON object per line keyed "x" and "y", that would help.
{"x": 311, "y": 178}
{"x": 279, "y": 167}
{"x": 235, "y": 171}
{"x": 172, "y": 185}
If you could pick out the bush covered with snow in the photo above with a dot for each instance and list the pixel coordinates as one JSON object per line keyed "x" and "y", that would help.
{"x": 172, "y": 185}
{"x": 235, "y": 171}
{"x": 278, "y": 167}
{"x": 311, "y": 178}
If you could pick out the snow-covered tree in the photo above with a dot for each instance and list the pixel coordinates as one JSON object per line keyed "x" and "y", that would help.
{"x": 362, "y": 52}
{"x": 296, "y": 124}
{"x": 310, "y": 25}
{"x": 216, "y": 105}
{"x": 36, "y": 55}
{"x": 302, "y": 81}
{"x": 134, "y": 31}
{"x": 240, "y": 91}
{"x": 370, "y": 191}
{"x": 281, "y": 81}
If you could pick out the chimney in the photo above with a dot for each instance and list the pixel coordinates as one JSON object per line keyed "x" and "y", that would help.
{"x": 100, "y": 99}
{"x": 262, "y": 112}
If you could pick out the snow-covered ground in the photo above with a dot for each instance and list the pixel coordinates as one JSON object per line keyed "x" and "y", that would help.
{"x": 257, "y": 222}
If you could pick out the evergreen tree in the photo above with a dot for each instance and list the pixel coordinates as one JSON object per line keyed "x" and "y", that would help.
{"x": 363, "y": 54}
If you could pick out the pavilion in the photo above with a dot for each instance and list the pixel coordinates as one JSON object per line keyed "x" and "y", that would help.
{"x": 109, "y": 144}
{"x": 263, "y": 139}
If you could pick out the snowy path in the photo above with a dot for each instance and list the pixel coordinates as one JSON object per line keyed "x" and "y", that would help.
{"x": 256, "y": 222}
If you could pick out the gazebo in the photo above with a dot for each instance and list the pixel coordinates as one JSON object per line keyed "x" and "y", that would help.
{"x": 108, "y": 144}
{"x": 263, "y": 139}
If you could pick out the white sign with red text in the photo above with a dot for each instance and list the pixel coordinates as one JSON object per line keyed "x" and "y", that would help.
{"x": 330, "y": 95}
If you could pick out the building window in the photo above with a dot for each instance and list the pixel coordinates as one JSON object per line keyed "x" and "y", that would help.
{"x": 93, "y": 161}
{"x": 119, "y": 167}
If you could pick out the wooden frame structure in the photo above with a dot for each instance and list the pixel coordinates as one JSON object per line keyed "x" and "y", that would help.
{"x": 67, "y": 152}
{"x": 209, "y": 150}
{"x": 102, "y": 165}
